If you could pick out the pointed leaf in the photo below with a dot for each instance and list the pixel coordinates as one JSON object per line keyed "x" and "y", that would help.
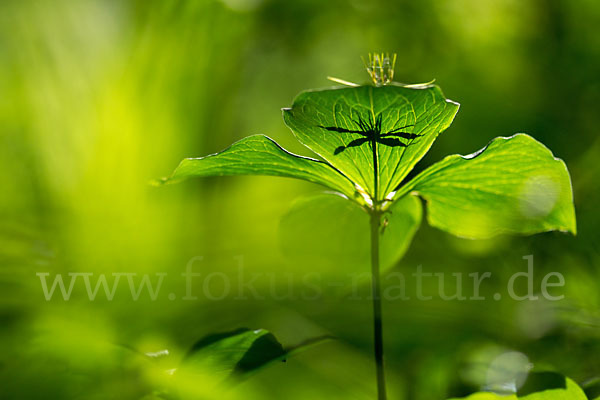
{"x": 237, "y": 353}
{"x": 260, "y": 155}
{"x": 513, "y": 185}
{"x": 334, "y": 123}
{"x": 220, "y": 353}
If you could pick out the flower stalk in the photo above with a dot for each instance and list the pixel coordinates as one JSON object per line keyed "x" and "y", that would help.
{"x": 375, "y": 215}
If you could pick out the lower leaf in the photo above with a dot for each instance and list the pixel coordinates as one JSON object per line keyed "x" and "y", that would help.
{"x": 328, "y": 233}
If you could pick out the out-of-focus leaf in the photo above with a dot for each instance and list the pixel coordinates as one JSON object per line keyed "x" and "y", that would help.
{"x": 550, "y": 386}
{"x": 486, "y": 396}
{"x": 513, "y": 185}
{"x": 237, "y": 353}
{"x": 539, "y": 386}
{"x": 328, "y": 233}
{"x": 241, "y": 350}
{"x": 260, "y": 155}
{"x": 592, "y": 388}
{"x": 330, "y": 123}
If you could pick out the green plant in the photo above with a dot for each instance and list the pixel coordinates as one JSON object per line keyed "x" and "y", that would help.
{"x": 370, "y": 137}
{"x": 538, "y": 386}
{"x": 218, "y": 360}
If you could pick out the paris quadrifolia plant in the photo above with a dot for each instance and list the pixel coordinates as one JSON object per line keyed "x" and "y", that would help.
{"x": 367, "y": 139}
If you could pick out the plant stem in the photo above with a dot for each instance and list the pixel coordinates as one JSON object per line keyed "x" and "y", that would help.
{"x": 375, "y": 214}
{"x": 376, "y": 294}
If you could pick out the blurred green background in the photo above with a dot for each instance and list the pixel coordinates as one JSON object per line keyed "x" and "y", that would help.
{"x": 100, "y": 97}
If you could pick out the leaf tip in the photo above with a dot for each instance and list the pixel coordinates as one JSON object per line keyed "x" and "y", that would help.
{"x": 286, "y": 111}
{"x": 454, "y": 103}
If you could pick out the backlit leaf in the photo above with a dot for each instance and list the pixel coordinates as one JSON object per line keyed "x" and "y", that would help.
{"x": 513, "y": 185}
{"x": 333, "y": 122}
{"x": 260, "y": 155}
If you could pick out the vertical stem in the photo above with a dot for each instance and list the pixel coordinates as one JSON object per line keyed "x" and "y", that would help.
{"x": 376, "y": 294}
{"x": 375, "y": 174}
{"x": 375, "y": 276}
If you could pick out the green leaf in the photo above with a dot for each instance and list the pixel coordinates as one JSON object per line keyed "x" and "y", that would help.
{"x": 237, "y": 353}
{"x": 320, "y": 120}
{"x": 224, "y": 354}
{"x": 592, "y": 388}
{"x": 487, "y": 396}
{"x": 327, "y": 232}
{"x": 550, "y": 386}
{"x": 513, "y": 185}
{"x": 539, "y": 386}
{"x": 260, "y": 155}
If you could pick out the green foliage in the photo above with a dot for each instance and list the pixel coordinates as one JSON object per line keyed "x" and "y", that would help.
{"x": 424, "y": 111}
{"x": 487, "y": 396}
{"x": 539, "y": 386}
{"x": 233, "y": 353}
{"x": 101, "y": 96}
{"x": 513, "y": 185}
{"x": 331, "y": 232}
{"x": 372, "y": 137}
{"x": 238, "y": 353}
{"x": 260, "y": 155}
